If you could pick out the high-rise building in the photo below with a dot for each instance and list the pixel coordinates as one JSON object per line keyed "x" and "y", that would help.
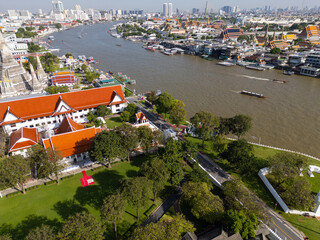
{"x": 57, "y": 7}
{"x": 40, "y": 12}
{"x": 227, "y": 9}
{"x": 207, "y": 8}
{"x": 165, "y": 10}
{"x": 170, "y": 11}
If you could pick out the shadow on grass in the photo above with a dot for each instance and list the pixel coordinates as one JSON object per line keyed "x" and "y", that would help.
{"x": 116, "y": 119}
{"x": 132, "y": 173}
{"x": 121, "y": 227}
{"x": 68, "y": 208}
{"x": 106, "y": 183}
{"x": 30, "y": 222}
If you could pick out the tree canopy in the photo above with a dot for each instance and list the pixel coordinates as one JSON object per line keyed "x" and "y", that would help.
{"x": 177, "y": 112}
{"x": 164, "y": 103}
{"x": 167, "y": 228}
{"x": 137, "y": 191}
{"x": 245, "y": 224}
{"x": 14, "y": 171}
{"x": 82, "y": 226}
{"x": 205, "y": 125}
{"x": 203, "y": 204}
{"x": 240, "y": 124}
{"x": 44, "y": 232}
{"x": 156, "y": 171}
{"x": 113, "y": 209}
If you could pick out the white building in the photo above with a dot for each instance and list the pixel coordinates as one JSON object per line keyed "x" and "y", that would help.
{"x": 170, "y": 11}
{"x": 165, "y": 10}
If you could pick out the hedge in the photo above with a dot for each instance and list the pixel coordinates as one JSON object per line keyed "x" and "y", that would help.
{"x": 13, "y": 194}
{"x": 150, "y": 209}
{"x": 34, "y": 187}
{"x": 50, "y": 182}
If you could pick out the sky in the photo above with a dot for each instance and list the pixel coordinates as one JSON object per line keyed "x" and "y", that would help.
{"x": 151, "y": 5}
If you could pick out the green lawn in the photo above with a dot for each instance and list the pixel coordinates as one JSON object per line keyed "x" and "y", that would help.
{"x": 309, "y": 226}
{"x": 53, "y": 204}
{"x": 113, "y": 122}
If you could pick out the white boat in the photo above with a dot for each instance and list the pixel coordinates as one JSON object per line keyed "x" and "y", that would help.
{"x": 226, "y": 63}
{"x": 255, "y": 67}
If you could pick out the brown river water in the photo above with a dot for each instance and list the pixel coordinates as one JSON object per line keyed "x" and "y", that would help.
{"x": 288, "y": 118}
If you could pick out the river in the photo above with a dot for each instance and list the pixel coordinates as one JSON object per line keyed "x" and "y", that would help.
{"x": 288, "y": 118}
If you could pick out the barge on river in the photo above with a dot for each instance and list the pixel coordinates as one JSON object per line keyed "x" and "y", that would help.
{"x": 258, "y": 95}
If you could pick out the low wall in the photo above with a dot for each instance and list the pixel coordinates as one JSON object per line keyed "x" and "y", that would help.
{"x": 262, "y": 173}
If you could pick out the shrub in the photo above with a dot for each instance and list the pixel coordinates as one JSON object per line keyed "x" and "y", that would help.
{"x": 13, "y": 194}
{"x": 50, "y": 182}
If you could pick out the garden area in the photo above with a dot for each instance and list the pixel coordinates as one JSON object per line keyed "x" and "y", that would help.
{"x": 53, "y": 204}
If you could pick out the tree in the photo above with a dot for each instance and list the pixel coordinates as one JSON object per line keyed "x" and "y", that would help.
{"x": 177, "y": 113}
{"x": 129, "y": 138}
{"x": 137, "y": 191}
{"x": 237, "y": 197}
{"x": 172, "y": 228}
{"x": 243, "y": 223}
{"x": 275, "y": 51}
{"x": 91, "y": 76}
{"x": 106, "y": 147}
{"x": 164, "y": 103}
{"x": 203, "y": 204}
{"x": 125, "y": 116}
{"x": 38, "y": 158}
{"x": 152, "y": 97}
{"x": 156, "y": 171}
{"x": 298, "y": 194}
{"x": 82, "y": 226}
{"x": 5, "y": 237}
{"x": 243, "y": 38}
{"x": 205, "y": 124}
{"x": 240, "y": 124}
{"x": 145, "y": 137}
{"x": 55, "y": 156}
{"x": 112, "y": 210}
{"x": 58, "y": 25}
{"x": 33, "y": 47}
{"x": 132, "y": 109}
{"x": 198, "y": 175}
{"x": 68, "y": 55}
{"x": 218, "y": 144}
{"x": 103, "y": 110}
{"x": 41, "y": 27}
{"x": 286, "y": 166}
{"x": 173, "y": 157}
{"x": 44, "y": 232}
{"x": 238, "y": 151}
{"x": 14, "y": 171}
{"x": 84, "y": 67}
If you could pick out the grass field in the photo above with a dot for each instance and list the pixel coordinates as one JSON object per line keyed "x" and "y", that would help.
{"x": 55, "y": 203}
{"x": 113, "y": 122}
{"x": 310, "y": 226}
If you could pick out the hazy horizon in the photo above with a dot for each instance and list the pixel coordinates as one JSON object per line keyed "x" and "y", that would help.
{"x": 155, "y": 5}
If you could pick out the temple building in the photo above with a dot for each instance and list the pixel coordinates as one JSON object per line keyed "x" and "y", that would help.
{"x": 47, "y": 112}
{"x": 14, "y": 79}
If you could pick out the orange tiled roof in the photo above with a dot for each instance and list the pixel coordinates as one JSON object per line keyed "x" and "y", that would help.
{"x": 71, "y": 143}
{"x": 23, "y": 138}
{"x": 36, "y": 107}
{"x": 68, "y": 125}
{"x": 63, "y": 73}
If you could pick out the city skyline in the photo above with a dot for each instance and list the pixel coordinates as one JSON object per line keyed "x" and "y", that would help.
{"x": 155, "y": 6}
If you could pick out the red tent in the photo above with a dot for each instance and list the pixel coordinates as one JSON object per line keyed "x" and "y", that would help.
{"x": 86, "y": 180}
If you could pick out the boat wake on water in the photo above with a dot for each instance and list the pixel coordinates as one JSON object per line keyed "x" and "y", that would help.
{"x": 235, "y": 91}
{"x": 255, "y": 78}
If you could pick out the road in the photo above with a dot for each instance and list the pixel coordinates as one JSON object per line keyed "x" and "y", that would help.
{"x": 278, "y": 225}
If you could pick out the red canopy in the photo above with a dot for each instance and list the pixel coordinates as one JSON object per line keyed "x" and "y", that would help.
{"x": 86, "y": 180}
